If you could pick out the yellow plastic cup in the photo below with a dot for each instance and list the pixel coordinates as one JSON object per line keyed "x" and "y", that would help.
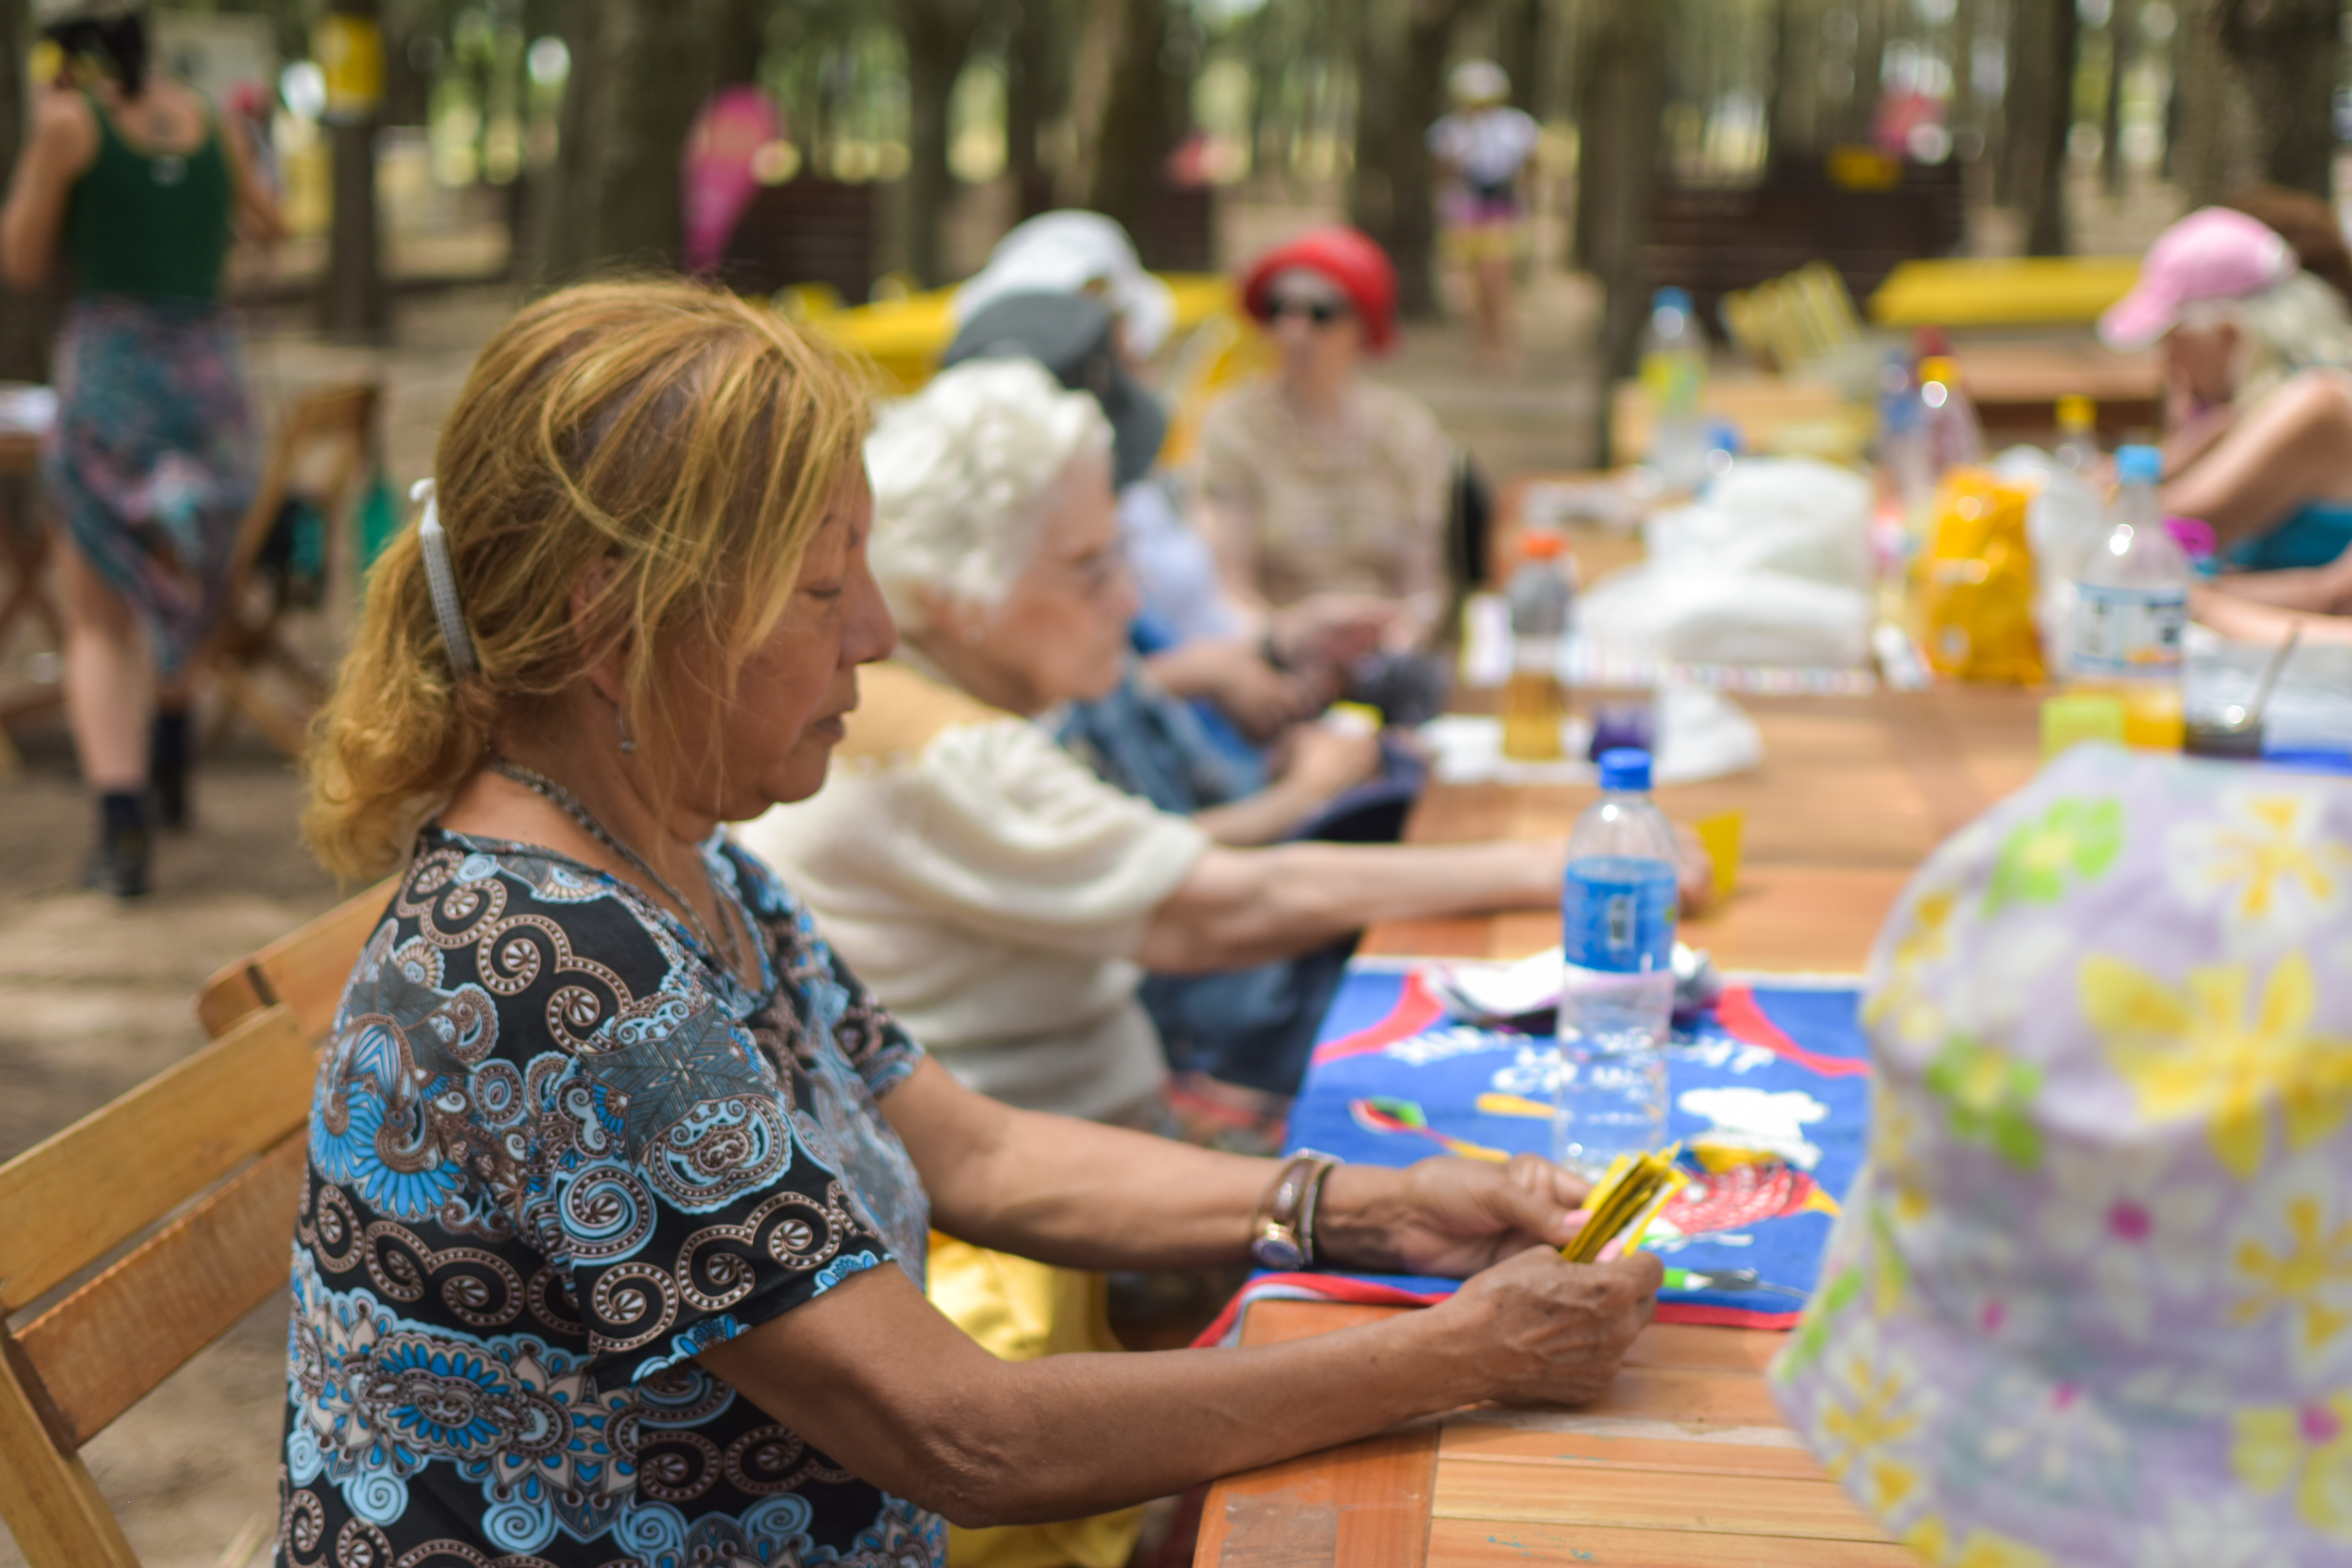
{"x": 2071, "y": 720}
{"x": 1719, "y": 835}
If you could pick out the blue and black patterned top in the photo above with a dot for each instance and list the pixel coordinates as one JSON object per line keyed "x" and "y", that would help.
{"x": 556, "y": 1150}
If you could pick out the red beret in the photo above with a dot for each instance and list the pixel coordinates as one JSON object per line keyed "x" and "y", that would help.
{"x": 1347, "y": 257}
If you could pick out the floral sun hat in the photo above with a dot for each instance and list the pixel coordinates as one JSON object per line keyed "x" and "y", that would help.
{"x": 2091, "y": 1302}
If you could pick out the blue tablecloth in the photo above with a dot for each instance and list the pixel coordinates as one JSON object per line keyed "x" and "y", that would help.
{"x": 1779, "y": 1069}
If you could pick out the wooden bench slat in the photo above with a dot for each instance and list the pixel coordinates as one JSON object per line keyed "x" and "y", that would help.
{"x": 53, "y": 1507}
{"x": 73, "y": 1196}
{"x": 1646, "y": 1500}
{"x": 305, "y": 969}
{"x": 103, "y": 1348}
{"x": 1482, "y": 1543}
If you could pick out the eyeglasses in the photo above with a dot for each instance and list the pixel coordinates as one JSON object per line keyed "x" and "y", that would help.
{"x": 1320, "y": 312}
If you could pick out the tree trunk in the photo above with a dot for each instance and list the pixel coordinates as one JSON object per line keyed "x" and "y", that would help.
{"x": 2213, "y": 149}
{"x": 739, "y": 40}
{"x": 1034, "y": 86}
{"x": 1617, "y": 173}
{"x": 937, "y": 35}
{"x": 28, "y": 320}
{"x": 638, "y": 78}
{"x": 2044, "y": 36}
{"x": 2123, "y": 24}
{"x": 354, "y": 300}
{"x": 1517, "y": 25}
{"x": 1136, "y": 120}
{"x": 2288, "y": 53}
{"x": 1401, "y": 90}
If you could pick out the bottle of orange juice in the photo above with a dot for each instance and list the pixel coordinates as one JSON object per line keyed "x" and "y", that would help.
{"x": 2131, "y": 608}
{"x": 1534, "y": 703}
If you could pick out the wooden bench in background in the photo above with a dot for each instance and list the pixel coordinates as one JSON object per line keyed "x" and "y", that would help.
{"x": 214, "y": 1150}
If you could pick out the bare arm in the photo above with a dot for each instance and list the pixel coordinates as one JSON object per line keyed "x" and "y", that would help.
{"x": 889, "y": 1388}
{"x": 1243, "y": 907}
{"x": 64, "y": 141}
{"x": 1323, "y": 761}
{"x": 2248, "y": 620}
{"x": 1232, "y": 538}
{"x": 256, "y": 209}
{"x": 876, "y": 1378}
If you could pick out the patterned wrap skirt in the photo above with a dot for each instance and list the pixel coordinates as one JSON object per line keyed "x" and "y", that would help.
{"x": 152, "y": 463}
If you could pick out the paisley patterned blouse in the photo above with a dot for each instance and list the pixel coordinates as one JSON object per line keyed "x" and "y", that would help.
{"x": 555, "y": 1151}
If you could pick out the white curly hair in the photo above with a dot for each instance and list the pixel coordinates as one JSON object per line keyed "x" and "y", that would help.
{"x": 963, "y": 471}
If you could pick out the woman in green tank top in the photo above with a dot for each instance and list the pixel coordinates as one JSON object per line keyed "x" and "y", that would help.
{"x": 133, "y": 181}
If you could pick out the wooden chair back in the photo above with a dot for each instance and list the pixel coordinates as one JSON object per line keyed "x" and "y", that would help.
{"x": 324, "y": 452}
{"x": 214, "y": 1148}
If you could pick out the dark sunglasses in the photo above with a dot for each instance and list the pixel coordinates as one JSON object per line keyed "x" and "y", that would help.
{"x": 1322, "y": 312}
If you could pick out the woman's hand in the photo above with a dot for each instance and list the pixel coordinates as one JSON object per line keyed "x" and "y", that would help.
{"x": 1550, "y": 1331}
{"x": 1445, "y": 1216}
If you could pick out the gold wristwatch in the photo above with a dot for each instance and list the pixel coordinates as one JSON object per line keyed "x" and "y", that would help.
{"x": 1282, "y": 1233}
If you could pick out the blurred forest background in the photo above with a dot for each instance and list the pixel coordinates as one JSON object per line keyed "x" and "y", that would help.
{"x": 537, "y": 140}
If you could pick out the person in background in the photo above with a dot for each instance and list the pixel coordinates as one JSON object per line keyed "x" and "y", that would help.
{"x": 2257, "y": 388}
{"x": 1481, "y": 150}
{"x": 132, "y": 180}
{"x": 998, "y": 895}
{"x": 1196, "y": 642}
{"x": 1315, "y": 481}
{"x": 663, "y": 1173}
{"x": 1141, "y": 736}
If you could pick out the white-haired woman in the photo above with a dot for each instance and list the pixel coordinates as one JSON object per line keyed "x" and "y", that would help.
{"x": 1001, "y": 900}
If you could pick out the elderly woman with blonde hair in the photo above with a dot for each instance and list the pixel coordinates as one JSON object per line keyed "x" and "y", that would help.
{"x": 621, "y": 1182}
{"x": 1000, "y": 897}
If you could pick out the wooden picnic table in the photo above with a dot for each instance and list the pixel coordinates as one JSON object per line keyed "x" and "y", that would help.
{"x": 1686, "y": 1461}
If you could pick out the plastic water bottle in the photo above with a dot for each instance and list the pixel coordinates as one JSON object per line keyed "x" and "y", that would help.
{"x": 1539, "y": 595}
{"x": 1616, "y": 1000}
{"x": 2078, "y": 432}
{"x": 1948, "y": 419}
{"x": 2131, "y": 607}
{"x": 1674, "y": 374}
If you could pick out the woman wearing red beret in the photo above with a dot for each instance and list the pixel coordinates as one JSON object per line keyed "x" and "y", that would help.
{"x": 1316, "y": 481}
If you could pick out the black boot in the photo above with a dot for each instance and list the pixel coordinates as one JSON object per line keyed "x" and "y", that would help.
{"x": 118, "y": 864}
{"x": 168, "y": 765}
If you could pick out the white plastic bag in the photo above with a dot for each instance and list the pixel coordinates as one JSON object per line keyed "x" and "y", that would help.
{"x": 1796, "y": 516}
{"x": 1688, "y": 612}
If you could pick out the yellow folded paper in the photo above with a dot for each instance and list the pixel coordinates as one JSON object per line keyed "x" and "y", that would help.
{"x": 1628, "y": 1196}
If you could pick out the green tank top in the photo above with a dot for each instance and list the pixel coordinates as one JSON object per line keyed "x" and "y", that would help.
{"x": 155, "y": 226}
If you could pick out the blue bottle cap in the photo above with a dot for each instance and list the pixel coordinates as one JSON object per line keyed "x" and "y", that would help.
{"x": 1671, "y": 299}
{"x": 1625, "y": 768}
{"x": 2139, "y": 465}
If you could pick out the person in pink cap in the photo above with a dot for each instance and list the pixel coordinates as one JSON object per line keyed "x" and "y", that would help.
{"x": 2258, "y": 368}
{"x": 1314, "y": 481}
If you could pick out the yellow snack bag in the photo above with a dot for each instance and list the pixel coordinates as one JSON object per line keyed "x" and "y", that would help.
{"x": 1976, "y": 583}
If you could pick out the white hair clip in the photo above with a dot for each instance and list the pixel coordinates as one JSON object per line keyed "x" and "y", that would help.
{"x": 441, "y": 579}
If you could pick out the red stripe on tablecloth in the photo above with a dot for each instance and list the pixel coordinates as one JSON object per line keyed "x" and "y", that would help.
{"x": 1745, "y": 1021}
{"x": 1417, "y": 1007}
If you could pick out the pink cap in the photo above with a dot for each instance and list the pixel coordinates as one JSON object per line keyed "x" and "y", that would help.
{"x": 2215, "y": 253}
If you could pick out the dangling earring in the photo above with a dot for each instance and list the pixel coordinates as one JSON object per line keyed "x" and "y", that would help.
{"x": 628, "y": 744}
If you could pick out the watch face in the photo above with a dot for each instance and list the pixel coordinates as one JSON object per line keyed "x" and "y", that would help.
{"x": 1277, "y": 1252}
